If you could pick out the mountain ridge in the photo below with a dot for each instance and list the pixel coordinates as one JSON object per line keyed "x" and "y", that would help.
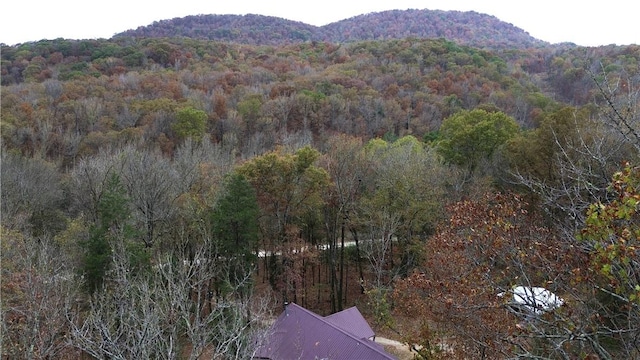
{"x": 464, "y": 27}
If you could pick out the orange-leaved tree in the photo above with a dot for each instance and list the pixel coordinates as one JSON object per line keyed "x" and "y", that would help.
{"x": 486, "y": 247}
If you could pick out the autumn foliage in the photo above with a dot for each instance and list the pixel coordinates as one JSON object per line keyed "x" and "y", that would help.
{"x": 205, "y": 183}
{"x": 487, "y": 246}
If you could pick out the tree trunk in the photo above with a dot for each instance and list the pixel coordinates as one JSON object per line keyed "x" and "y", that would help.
{"x": 358, "y": 262}
{"x": 332, "y": 273}
{"x": 341, "y": 288}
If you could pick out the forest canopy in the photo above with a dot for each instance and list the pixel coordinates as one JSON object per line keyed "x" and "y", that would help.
{"x": 206, "y": 183}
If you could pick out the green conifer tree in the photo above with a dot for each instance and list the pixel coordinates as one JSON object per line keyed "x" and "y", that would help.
{"x": 235, "y": 228}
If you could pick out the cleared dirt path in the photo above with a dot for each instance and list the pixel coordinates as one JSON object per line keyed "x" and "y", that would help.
{"x": 396, "y": 348}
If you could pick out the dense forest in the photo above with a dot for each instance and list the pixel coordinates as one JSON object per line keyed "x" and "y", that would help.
{"x": 164, "y": 194}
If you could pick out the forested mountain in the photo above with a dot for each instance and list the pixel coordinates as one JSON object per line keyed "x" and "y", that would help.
{"x": 463, "y": 27}
{"x": 469, "y": 28}
{"x": 163, "y": 197}
{"x": 244, "y": 29}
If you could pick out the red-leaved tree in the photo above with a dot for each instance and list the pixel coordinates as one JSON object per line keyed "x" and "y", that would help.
{"x": 485, "y": 248}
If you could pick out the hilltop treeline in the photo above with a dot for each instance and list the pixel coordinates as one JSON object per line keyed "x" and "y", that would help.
{"x": 468, "y": 28}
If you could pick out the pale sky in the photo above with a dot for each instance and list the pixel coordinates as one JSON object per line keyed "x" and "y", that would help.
{"x": 587, "y": 23}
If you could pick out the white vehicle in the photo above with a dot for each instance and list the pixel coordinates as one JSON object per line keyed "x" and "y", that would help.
{"x": 531, "y": 299}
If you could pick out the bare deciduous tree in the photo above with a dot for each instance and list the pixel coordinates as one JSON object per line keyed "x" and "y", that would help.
{"x": 38, "y": 287}
{"x": 169, "y": 313}
{"x": 89, "y": 180}
{"x": 29, "y": 186}
{"x": 619, "y": 107}
{"x": 151, "y": 182}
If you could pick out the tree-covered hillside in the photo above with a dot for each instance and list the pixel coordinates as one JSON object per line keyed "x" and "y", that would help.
{"x": 467, "y": 28}
{"x": 125, "y": 88}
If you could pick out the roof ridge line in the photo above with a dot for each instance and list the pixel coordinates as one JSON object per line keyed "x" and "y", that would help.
{"x": 352, "y": 336}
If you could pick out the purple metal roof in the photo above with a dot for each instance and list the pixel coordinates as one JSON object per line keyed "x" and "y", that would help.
{"x": 352, "y": 321}
{"x": 301, "y": 334}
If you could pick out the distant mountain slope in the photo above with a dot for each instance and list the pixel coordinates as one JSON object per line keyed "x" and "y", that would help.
{"x": 245, "y": 29}
{"x": 468, "y": 28}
